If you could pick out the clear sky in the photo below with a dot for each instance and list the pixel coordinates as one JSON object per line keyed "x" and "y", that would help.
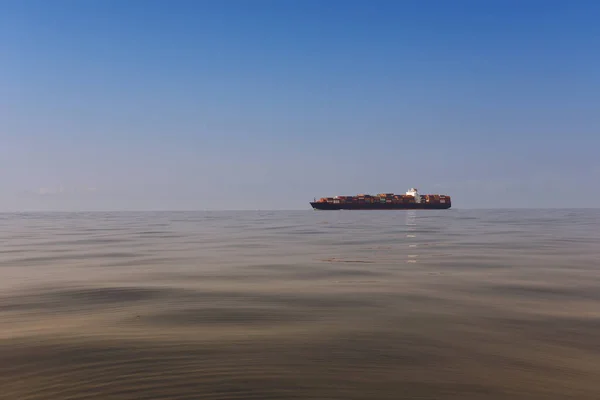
{"x": 192, "y": 105}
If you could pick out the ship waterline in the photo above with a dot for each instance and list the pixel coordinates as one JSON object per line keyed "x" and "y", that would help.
{"x": 377, "y": 206}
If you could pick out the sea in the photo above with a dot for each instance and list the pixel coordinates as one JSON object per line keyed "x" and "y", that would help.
{"x": 406, "y": 304}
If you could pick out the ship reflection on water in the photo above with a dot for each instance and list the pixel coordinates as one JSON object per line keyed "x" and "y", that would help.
{"x": 411, "y": 224}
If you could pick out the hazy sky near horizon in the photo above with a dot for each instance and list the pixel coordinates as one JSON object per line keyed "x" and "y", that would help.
{"x": 170, "y": 105}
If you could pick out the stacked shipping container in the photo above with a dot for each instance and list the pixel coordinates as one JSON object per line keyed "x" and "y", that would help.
{"x": 386, "y": 198}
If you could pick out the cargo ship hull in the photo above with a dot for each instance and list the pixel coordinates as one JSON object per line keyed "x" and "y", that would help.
{"x": 379, "y": 206}
{"x": 412, "y": 200}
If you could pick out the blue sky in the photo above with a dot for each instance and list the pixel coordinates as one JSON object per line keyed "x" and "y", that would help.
{"x": 185, "y": 105}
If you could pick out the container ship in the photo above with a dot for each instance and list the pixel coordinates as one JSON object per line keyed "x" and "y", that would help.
{"x": 384, "y": 201}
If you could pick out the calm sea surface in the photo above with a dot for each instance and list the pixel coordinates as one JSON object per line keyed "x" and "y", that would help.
{"x": 454, "y": 304}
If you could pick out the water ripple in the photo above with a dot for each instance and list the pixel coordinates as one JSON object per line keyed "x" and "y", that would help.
{"x": 453, "y": 304}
